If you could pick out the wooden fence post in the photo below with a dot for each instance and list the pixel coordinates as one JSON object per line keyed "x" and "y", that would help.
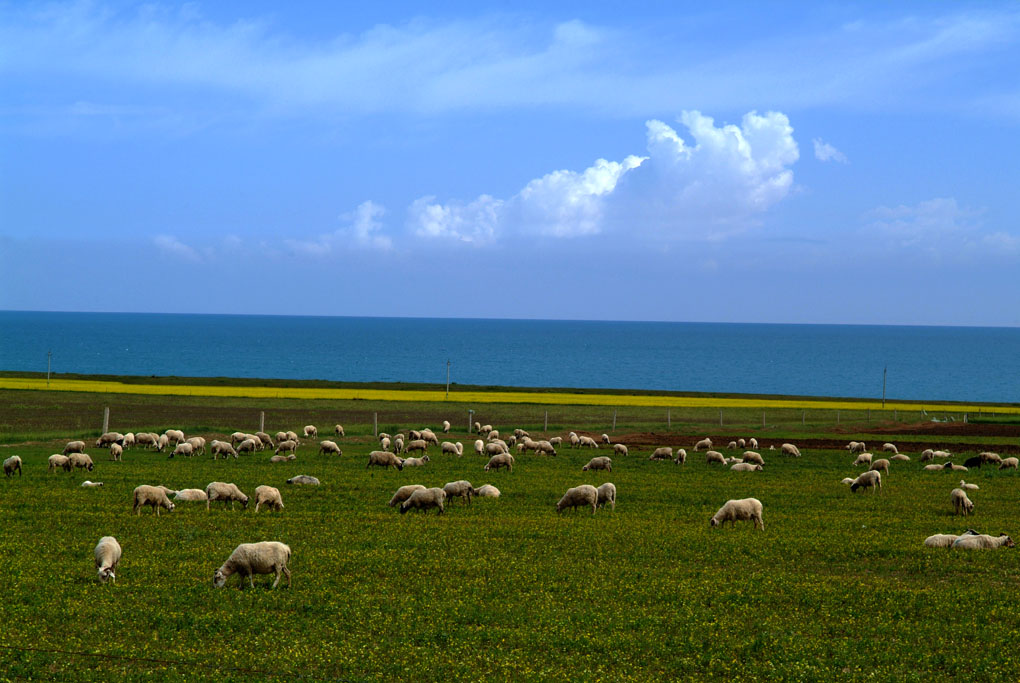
{"x": 262, "y": 421}
{"x": 106, "y": 419}
{"x": 375, "y": 424}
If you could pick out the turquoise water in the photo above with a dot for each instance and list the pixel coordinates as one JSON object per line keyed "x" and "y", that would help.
{"x": 930, "y": 363}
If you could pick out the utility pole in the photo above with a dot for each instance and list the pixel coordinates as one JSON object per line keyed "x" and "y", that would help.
{"x": 447, "y": 379}
{"x": 49, "y": 356}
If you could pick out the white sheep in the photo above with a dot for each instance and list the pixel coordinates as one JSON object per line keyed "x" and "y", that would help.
{"x": 58, "y": 461}
{"x": 495, "y": 448}
{"x": 186, "y": 449}
{"x": 856, "y": 447}
{"x": 575, "y": 440}
{"x": 946, "y": 540}
{"x": 867, "y": 480}
{"x": 268, "y": 496}
{"x": 487, "y": 491}
{"x": 174, "y": 435}
{"x": 605, "y": 439}
{"x": 80, "y": 461}
{"x": 385, "y": 443}
{"x": 285, "y": 446}
{"x": 620, "y": 449}
{"x": 880, "y": 465}
{"x": 847, "y": 481}
{"x": 1009, "y": 464}
{"x": 681, "y": 457}
{"x": 599, "y": 463}
{"x": 704, "y": 443}
{"x": 606, "y": 494}
{"x": 248, "y": 559}
{"x": 291, "y": 436}
{"x": 108, "y": 438}
{"x": 746, "y": 467}
{"x": 446, "y": 426}
{"x": 935, "y": 467}
{"x": 452, "y": 448}
{"x": 556, "y": 441}
{"x": 891, "y": 448}
{"x": 330, "y": 448}
{"x": 753, "y": 457}
{"x": 227, "y": 492}
{"x": 584, "y": 495}
{"x": 384, "y": 459}
{"x": 416, "y": 462}
{"x": 982, "y": 542}
{"x": 153, "y": 496}
{"x": 480, "y": 447}
{"x": 545, "y": 448}
{"x": 303, "y": 479}
{"x": 339, "y": 430}
{"x": 863, "y": 459}
{"x": 752, "y": 443}
{"x": 74, "y": 447}
{"x": 266, "y": 440}
{"x": 223, "y": 448}
{"x": 662, "y": 453}
{"x": 237, "y": 437}
{"x": 417, "y": 445}
{"x": 714, "y": 457}
{"x": 282, "y": 458}
{"x": 961, "y": 503}
{"x": 429, "y": 437}
{"x": 744, "y": 510}
{"x": 191, "y": 496}
{"x": 954, "y": 467}
{"x": 91, "y": 484}
{"x": 732, "y": 445}
{"x": 500, "y": 460}
{"x": 790, "y": 449}
{"x": 280, "y": 436}
{"x": 742, "y": 444}
{"x": 425, "y": 499}
{"x": 588, "y": 442}
{"x": 968, "y": 487}
{"x": 162, "y": 441}
{"x": 310, "y": 431}
{"x": 459, "y": 489}
{"x": 901, "y": 457}
{"x": 403, "y": 493}
{"x": 927, "y": 454}
{"x": 198, "y": 444}
{"x": 107, "y": 556}
{"x": 988, "y": 457}
{"x": 11, "y": 464}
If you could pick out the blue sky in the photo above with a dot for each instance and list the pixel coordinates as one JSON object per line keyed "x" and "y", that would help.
{"x": 782, "y": 162}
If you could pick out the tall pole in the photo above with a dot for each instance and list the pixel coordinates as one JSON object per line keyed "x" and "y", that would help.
{"x": 49, "y": 357}
{"x": 884, "y": 371}
{"x": 447, "y": 379}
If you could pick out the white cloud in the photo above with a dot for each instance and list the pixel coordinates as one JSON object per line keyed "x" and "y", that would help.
{"x": 826, "y": 152}
{"x": 363, "y": 229}
{"x": 718, "y": 184}
{"x": 366, "y": 226}
{"x": 175, "y": 248}
{"x": 927, "y": 224}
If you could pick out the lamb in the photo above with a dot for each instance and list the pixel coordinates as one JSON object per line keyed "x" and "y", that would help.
{"x": 746, "y": 467}
{"x": 606, "y": 494}
{"x": 704, "y": 443}
{"x": 186, "y": 449}
{"x": 310, "y": 431}
{"x": 248, "y": 559}
{"x": 487, "y": 491}
{"x": 584, "y": 495}
{"x": 588, "y": 442}
{"x": 714, "y": 457}
{"x": 80, "y": 461}
{"x": 891, "y": 448}
{"x": 74, "y": 447}
{"x": 790, "y": 449}
{"x": 228, "y": 493}
{"x": 12, "y": 463}
{"x": 330, "y": 448}
{"x": 404, "y": 492}
{"x": 384, "y": 459}
{"x": 662, "y": 453}
{"x": 425, "y": 499}
{"x": 452, "y": 448}
{"x": 961, "y": 503}
{"x": 856, "y": 447}
{"x": 282, "y": 458}
{"x": 1009, "y": 464}
{"x": 154, "y": 496}
{"x": 871, "y": 479}
{"x": 222, "y": 448}
{"x": 982, "y": 542}
{"x": 744, "y": 510}
{"x": 459, "y": 489}
{"x": 946, "y": 540}
{"x": 446, "y": 426}
{"x": 599, "y": 463}
{"x": 480, "y": 447}
{"x": 285, "y": 446}
{"x": 91, "y": 484}
{"x": 500, "y": 460}
{"x": 417, "y": 445}
{"x": 751, "y": 456}
{"x": 968, "y": 487}
{"x": 901, "y": 457}
{"x": 265, "y": 439}
{"x": 605, "y": 439}
{"x": 59, "y": 461}
{"x": 339, "y": 430}
{"x": 268, "y": 496}
{"x": 545, "y": 448}
{"x": 880, "y": 465}
{"x": 863, "y": 459}
{"x": 107, "y": 555}
{"x": 416, "y": 462}
{"x": 191, "y": 496}
{"x": 303, "y": 479}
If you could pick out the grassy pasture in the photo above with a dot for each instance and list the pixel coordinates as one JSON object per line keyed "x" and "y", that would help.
{"x": 838, "y": 585}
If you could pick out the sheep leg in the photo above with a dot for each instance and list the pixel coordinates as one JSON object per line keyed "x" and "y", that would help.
{"x": 257, "y": 505}
{"x": 276, "y": 583}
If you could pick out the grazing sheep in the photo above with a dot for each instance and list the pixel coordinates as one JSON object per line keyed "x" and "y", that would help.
{"x": 1009, "y": 464}
{"x": 746, "y": 467}
{"x": 961, "y": 503}
{"x": 588, "y": 442}
{"x": 330, "y": 448}
{"x": 992, "y": 458}
{"x": 398, "y": 444}
{"x": 404, "y": 492}
{"x": 416, "y": 462}
{"x": 282, "y": 458}
{"x": 174, "y": 435}
{"x": 237, "y": 437}
{"x": 486, "y": 429}
{"x": 459, "y": 489}
{"x": 662, "y": 453}
{"x": 527, "y": 444}
{"x": 417, "y": 445}
{"x": 268, "y": 496}
{"x": 946, "y": 540}
{"x": 867, "y": 480}
{"x": 154, "y": 496}
{"x": 856, "y": 447}
{"x": 285, "y": 446}
{"x": 732, "y": 445}
{"x": 881, "y": 465}
{"x": 620, "y": 449}
{"x": 107, "y": 555}
{"x": 500, "y": 460}
{"x": 891, "y": 448}
{"x": 116, "y": 451}
{"x": 91, "y": 484}
{"x": 280, "y": 436}
{"x": 847, "y": 481}
{"x": 267, "y": 441}
{"x": 384, "y": 459}
{"x": 478, "y": 427}
{"x": 162, "y": 441}
{"x": 606, "y": 494}
{"x": 425, "y": 499}
{"x": 59, "y": 461}
{"x": 584, "y": 495}
{"x": 480, "y": 447}
{"x": 714, "y": 457}
{"x": 248, "y": 559}
{"x": 927, "y": 454}
{"x": 384, "y": 443}
{"x": 446, "y": 426}
{"x": 932, "y": 468}
{"x": 575, "y": 440}
{"x": 187, "y": 450}
{"x": 681, "y": 457}
{"x": 968, "y": 487}
{"x": 545, "y": 448}
{"x": 108, "y": 438}
{"x": 901, "y": 457}
{"x": 495, "y": 448}
{"x": 605, "y": 439}
{"x": 942, "y": 454}
{"x": 743, "y": 510}
{"x": 223, "y": 448}
{"x": 310, "y": 431}
{"x": 741, "y": 443}
{"x": 191, "y": 496}
{"x": 704, "y": 443}
{"x": 429, "y": 437}
{"x": 11, "y": 464}
{"x": 790, "y": 449}
{"x": 339, "y": 430}
{"x": 303, "y": 479}
{"x": 291, "y": 436}
{"x": 982, "y": 542}
{"x": 74, "y": 447}
{"x": 599, "y": 463}
{"x": 751, "y": 456}
{"x": 147, "y": 439}
{"x": 556, "y": 441}
{"x": 752, "y": 443}
{"x": 197, "y": 445}
{"x": 487, "y": 491}
{"x": 863, "y": 459}
{"x": 228, "y": 493}
{"x": 80, "y": 461}
{"x": 954, "y": 467}
{"x": 452, "y": 448}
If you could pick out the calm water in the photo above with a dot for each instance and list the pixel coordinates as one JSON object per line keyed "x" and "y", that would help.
{"x": 954, "y": 363}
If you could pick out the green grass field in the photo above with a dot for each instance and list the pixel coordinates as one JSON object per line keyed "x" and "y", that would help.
{"x": 837, "y": 586}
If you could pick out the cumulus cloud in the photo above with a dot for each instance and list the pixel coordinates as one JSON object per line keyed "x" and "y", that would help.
{"x": 716, "y": 184}
{"x": 173, "y": 247}
{"x": 363, "y": 228}
{"x": 826, "y": 152}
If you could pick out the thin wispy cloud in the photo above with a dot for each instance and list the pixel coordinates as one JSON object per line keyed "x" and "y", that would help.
{"x": 826, "y": 152}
